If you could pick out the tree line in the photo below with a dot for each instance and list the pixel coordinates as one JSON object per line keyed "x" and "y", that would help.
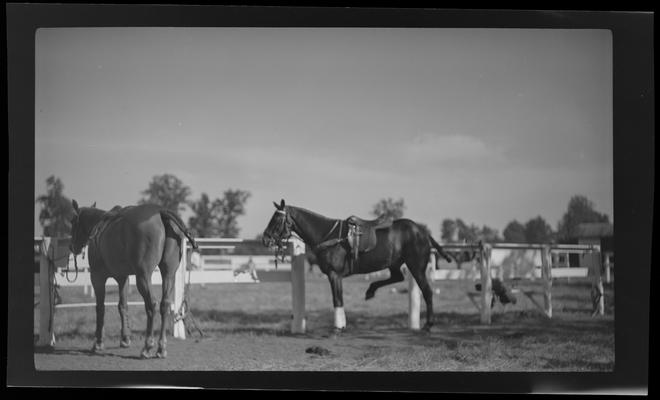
{"x": 219, "y": 217}
{"x": 211, "y": 217}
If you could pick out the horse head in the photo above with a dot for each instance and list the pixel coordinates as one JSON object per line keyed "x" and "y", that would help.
{"x": 279, "y": 227}
{"x": 82, "y": 224}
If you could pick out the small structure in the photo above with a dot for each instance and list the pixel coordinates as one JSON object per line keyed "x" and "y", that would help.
{"x": 597, "y": 233}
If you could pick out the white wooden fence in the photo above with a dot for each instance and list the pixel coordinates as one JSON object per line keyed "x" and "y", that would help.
{"x": 546, "y": 272}
{"x": 295, "y": 273}
{"x": 55, "y": 260}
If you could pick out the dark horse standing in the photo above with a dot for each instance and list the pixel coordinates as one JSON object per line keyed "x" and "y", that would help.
{"x": 402, "y": 242}
{"x": 130, "y": 241}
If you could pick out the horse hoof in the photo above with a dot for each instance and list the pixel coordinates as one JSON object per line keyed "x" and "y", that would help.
{"x": 97, "y": 348}
{"x": 125, "y": 344}
{"x": 427, "y": 328}
{"x": 145, "y": 354}
{"x": 161, "y": 354}
{"x": 337, "y": 332}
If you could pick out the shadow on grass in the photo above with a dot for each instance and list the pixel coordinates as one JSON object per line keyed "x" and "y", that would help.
{"x": 82, "y": 352}
{"x": 449, "y": 328}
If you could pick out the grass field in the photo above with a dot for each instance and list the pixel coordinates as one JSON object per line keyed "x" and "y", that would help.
{"x": 246, "y": 327}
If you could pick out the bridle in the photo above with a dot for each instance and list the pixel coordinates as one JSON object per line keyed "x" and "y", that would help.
{"x": 283, "y": 236}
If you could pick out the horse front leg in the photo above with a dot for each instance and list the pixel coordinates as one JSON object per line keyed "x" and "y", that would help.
{"x": 123, "y": 284}
{"x": 98, "y": 283}
{"x": 143, "y": 283}
{"x": 337, "y": 300}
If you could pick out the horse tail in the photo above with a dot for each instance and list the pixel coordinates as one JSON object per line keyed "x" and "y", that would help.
{"x": 439, "y": 248}
{"x": 173, "y": 219}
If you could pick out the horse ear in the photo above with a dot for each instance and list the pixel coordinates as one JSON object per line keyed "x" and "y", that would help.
{"x": 75, "y": 206}
{"x": 94, "y": 205}
{"x": 276, "y": 206}
{"x": 282, "y": 204}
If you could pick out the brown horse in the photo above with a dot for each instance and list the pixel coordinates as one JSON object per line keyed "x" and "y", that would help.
{"x": 401, "y": 242}
{"x": 131, "y": 241}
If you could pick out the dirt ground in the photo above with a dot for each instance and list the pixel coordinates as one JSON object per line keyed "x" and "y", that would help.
{"x": 246, "y": 328}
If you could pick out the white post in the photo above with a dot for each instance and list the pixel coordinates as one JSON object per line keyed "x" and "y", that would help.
{"x": 414, "y": 299}
{"x": 46, "y": 276}
{"x": 597, "y": 283}
{"x": 298, "y": 286}
{"x": 179, "y": 328}
{"x": 546, "y": 275}
{"x": 486, "y": 283}
{"x": 430, "y": 268}
{"x": 608, "y": 266}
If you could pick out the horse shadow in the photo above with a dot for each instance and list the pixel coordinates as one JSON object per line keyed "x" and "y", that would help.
{"x": 85, "y": 352}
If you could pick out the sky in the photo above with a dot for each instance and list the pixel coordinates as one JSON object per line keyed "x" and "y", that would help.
{"x": 486, "y": 125}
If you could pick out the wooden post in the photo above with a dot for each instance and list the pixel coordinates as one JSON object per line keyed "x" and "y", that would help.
{"x": 597, "y": 283}
{"x": 179, "y": 328}
{"x": 414, "y": 300}
{"x": 46, "y": 276}
{"x": 298, "y": 323}
{"x": 546, "y": 275}
{"x": 486, "y": 283}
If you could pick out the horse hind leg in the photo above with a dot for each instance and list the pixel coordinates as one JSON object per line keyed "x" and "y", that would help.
{"x": 418, "y": 271}
{"x": 168, "y": 267}
{"x": 123, "y": 285}
{"x": 395, "y": 276}
{"x": 98, "y": 283}
{"x": 143, "y": 283}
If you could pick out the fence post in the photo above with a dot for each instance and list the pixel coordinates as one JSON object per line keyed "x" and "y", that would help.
{"x": 298, "y": 286}
{"x": 414, "y": 299}
{"x": 179, "y": 328}
{"x": 486, "y": 283}
{"x": 546, "y": 275}
{"x": 597, "y": 283}
{"x": 608, "y": 266}
{"x": 46, "y": 276}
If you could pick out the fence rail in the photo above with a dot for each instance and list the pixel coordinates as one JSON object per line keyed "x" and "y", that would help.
{"x": 57, "y": 250}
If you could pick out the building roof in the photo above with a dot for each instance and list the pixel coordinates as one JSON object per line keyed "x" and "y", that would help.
{"x": 595, "y": 230}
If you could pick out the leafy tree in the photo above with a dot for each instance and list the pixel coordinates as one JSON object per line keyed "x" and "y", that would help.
{"x": 538, "y": 231}
{"x": 203, "y": 221}
{"x": 457, "y": 230}
{"x": 230, "y": 207}
{"x": 56, "y": 209}
{"x": 167, "y": 191}
{"x": 218, "y": 217}
{"x": 489, "y": 235}
{"x": 580, "y": 210}
{"x": 467, "y": 233}
{"x": 389, "y": 207}
{"x": 449, "y": 230}
{"x": 515, "y": 232}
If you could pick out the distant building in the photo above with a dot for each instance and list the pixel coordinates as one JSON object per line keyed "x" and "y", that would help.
{"x": 600, "y": 233}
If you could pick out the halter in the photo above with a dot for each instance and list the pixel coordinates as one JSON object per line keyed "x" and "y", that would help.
{"x": 286, "y": 229}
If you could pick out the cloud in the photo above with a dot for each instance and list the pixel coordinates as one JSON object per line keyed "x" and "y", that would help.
{"x": 450, "y": 149}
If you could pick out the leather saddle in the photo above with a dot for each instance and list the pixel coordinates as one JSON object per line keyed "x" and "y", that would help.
{"x": 108, "y": 217}
{"x": 362, "y": 233}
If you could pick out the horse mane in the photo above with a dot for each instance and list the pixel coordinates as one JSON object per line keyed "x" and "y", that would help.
{"x": 313, "y": 213}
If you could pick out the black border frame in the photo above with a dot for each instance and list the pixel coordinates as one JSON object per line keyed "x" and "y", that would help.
{"x": 634, "y": 160}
